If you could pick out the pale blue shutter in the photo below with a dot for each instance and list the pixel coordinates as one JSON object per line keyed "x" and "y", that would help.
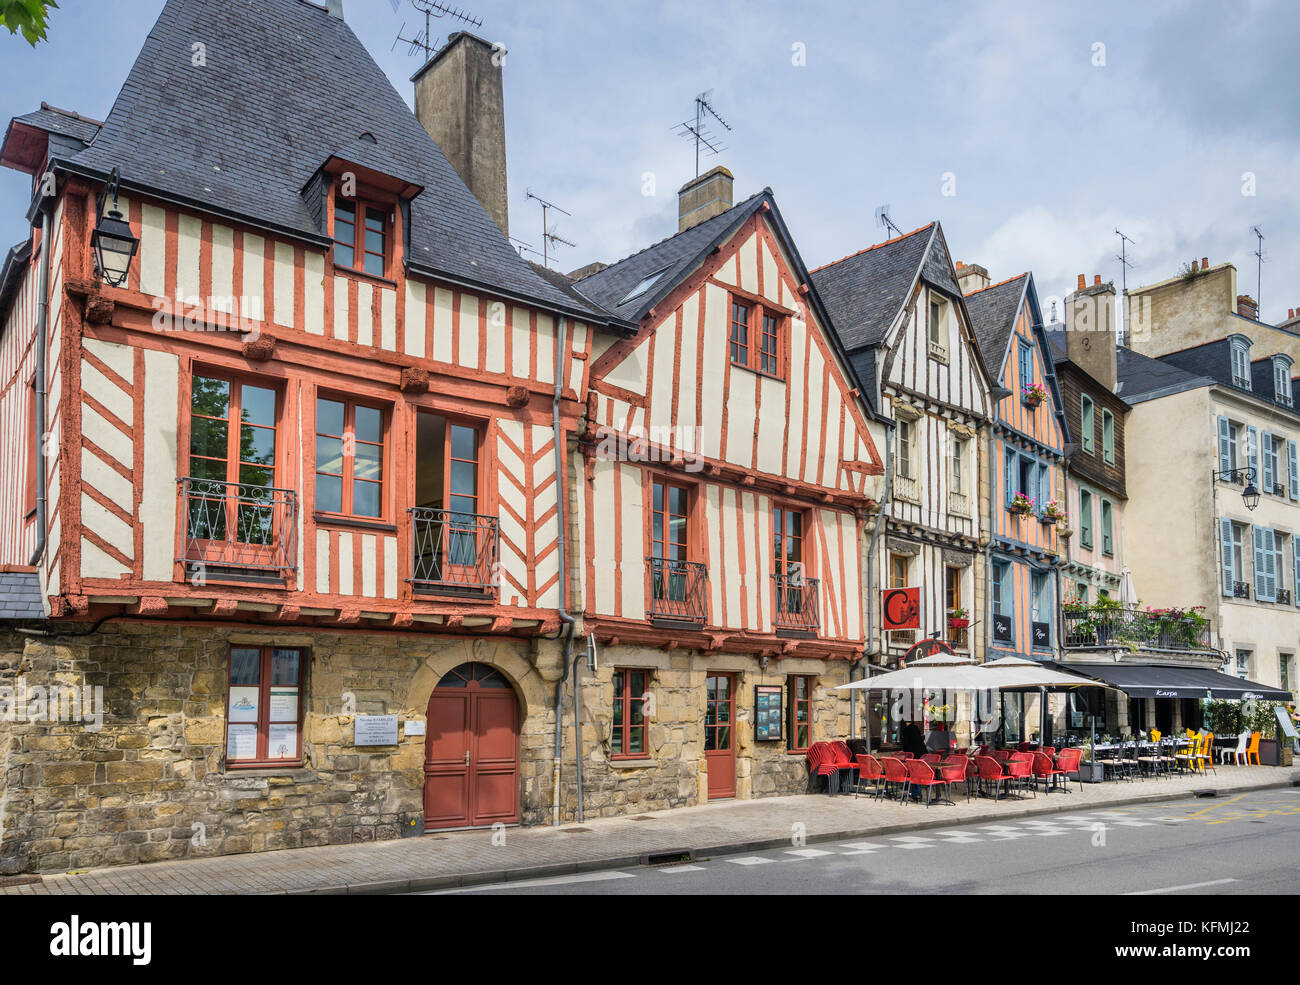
{"x": 1257, "y": 541}
{"x": 1268, "y": 456}
{"x": 1252, "y": 449}
{"x": 1270, "y": 540}
{"x": 1229, "y": 570}
{"x": 1278, "y": 569}
{"x": 1225, "y": 441}
{"x": 1291, "y": 470}
{"x": 1295, "y": 582}
{"x": 1008, "y": 476}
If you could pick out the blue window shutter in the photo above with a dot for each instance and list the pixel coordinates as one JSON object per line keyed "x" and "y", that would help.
{"x": 1008, "y": 476}
{"x": 1252, "y": 448}
{"x": 1291, "y": 470}
{"x": 1267, "y": 450}
{"x": 1295, "y": 583}
{"x": 1257, "y": 538}
{"x": 1278, "y": 568}
{"x": 1229, "y": 571}
{"x": 1044, "y": 490}
{"x": 1225, "y": 451}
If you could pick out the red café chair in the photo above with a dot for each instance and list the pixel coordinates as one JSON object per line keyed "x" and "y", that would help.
{"x": 955, "y": 770}
{"x": 1024, "y": 747}
{"x": 921, "y": 774}
{"x": 983, "y": 751}
{"x": 990, "y": 771}
{"x": 1068, "y": 762}
{"x": 896, "y": 773}
{"x": 1001, "y": 755}
{"x": 869, "y": 768}
{"x": 901, "y": 755}
{"x": 1046, "y": 771}
{"x": 1021, "y": 768}
{"x": 1049, "y": 750}
{"x": 962, "y": 751}
{"x": 933, "y": 758}
{"x": 844, "y": 758}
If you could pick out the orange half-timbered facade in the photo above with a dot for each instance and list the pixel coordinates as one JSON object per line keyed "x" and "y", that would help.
{"x": 728, "y": 440}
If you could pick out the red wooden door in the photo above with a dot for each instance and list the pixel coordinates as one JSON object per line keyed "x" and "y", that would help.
{"x": 471, "y": 763}
{"x": 720, "y": 734}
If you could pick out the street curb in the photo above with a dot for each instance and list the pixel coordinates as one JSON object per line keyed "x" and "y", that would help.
{"x": 462, "y": 880}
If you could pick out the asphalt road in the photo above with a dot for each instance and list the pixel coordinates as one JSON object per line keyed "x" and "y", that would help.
{"x": 1246, "y": 844}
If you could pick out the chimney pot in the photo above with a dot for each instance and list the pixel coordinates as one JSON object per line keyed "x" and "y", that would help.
{"x": 972, "y": 277}
{"x": 335, "y": 8}
{"x": 1247, "y": 307}
{"x": 1096, "y": 280}
{"x": 1083, "y": 282}
{"x": 1205, "y": 263}
{"x": 704, "y": 197}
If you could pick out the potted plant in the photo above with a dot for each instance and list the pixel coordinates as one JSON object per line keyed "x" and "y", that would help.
{"x": 1021, "y": 505}
{"x": 1090, "y": 771}
{"x": 1080, "y": 628}
{"x": 1033, "y": 394}
{"x": 958, "y": 618}
{"x": 1054, "y": 512}
{"x": 1107, "y": 614}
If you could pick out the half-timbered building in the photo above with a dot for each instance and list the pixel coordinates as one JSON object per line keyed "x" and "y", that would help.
{"x": 728, "y": 464}
{"x": 292, "y": 493}
{"x": 901, "y": 317}
{"x": 1024, "y": 463}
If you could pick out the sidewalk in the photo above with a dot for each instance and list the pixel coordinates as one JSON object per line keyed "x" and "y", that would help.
{"x": 446, "y": 860}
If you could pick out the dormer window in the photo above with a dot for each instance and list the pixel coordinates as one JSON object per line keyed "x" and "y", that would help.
{"x": 360, "y": 236}
{"x": 1241, "y": 363}
{"x": 1282, "y": 381}
{"x": 938, "y": 327}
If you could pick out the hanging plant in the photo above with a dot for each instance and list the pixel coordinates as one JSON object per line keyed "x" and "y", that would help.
{"x": 1022, "y": 504}
{"x": 1054, "y": 512}
{"x": 1033, "y": 394}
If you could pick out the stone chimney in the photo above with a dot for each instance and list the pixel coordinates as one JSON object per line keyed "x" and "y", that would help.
{"x": 335, "y": 8}
{"x": 1090, "y": 329}
{"x": 1247, "y": 307}
{"x": 595, "y": 267}
{"x": 971, "y": 277}
{"x": 703, "y": 197}
{"x": 458, "y": 99}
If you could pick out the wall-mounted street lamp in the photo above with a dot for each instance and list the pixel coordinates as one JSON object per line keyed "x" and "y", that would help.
{"x": 1249, "y": 495}
{"x": 112, "y": 241}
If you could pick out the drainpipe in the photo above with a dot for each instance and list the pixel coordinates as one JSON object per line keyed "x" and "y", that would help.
{"x": 872, "y": 650}
{"x": 561, "y": 447}
{"x": 42, "y": 344}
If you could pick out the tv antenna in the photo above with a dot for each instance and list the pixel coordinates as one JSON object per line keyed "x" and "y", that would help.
{"x": 1259, "y": 267}
{"x": 883, "y": 219}
{"x": 424, "y": 40}
{"x": 550, "y": 237}
{"x": 523, "y": 247}
{"x": 701, "y": 130}
{"x": 1124, "y": 264}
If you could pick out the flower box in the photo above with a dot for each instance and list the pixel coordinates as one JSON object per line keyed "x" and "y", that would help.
{"x": 956, "y": 623}
{"x": 1033, "y": 395}
{"x": 1021, "y": 505}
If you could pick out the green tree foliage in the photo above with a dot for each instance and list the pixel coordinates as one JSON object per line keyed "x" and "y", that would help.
{"x": 27, "y": 16}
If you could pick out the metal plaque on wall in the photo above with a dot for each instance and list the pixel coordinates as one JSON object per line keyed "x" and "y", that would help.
{"x": 374, "y": 730}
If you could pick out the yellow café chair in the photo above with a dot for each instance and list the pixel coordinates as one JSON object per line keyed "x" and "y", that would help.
{"x": 1206, "y": 752}
{"x": 1252, "y": 748}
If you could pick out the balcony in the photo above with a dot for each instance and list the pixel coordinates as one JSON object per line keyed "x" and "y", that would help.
{"x": 238, "y": 532}
{"x": 1284, "y": 596}
{"x": 1128, "y": 626}
{"x": 453, "y": 553}
{"x": 797, "y": 604}
{"x": 677, "y": 591}
{"x": 1240, "y": 590}
{"x": 906, "y": 487}
{"x": 959, "y": 503}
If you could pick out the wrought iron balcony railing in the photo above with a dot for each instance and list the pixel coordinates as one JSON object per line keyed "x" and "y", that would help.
{"x": 677, "y": 590}
{"x": 453, "y": 552}
{"x": 1127, "y": 625}
{"x": 797, "y": 604}
{"x": 1240, "y": 590}
{"x": 234, "y": 529}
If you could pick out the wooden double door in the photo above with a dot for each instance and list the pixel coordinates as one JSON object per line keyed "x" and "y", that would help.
{"x": 471, "y": 760}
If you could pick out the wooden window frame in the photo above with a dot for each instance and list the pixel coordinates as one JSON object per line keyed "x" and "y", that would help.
{"x": 346, "y": 504}
{"x": 234, "y": 421}
{"x": 1107, "y": 444}
{"x": 957, "y": 465}
{"x": 1085, "y": 519}
{"x": 360, "y": 203}
{"x": 664, "y": 542}
{"x": 753, "y": 354}
{"x": 264, "y": 707}
{"x": 1087, "y": 424}
{"x": 794, "y": 702}
{"x": 621, "y": 743}
{"x": 905, "y": 463}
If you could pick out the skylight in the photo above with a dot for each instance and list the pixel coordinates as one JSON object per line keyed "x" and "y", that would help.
{"x": 643, "y": 285}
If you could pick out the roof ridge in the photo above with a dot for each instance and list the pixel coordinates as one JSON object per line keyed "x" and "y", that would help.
{"x": 680, "y": 232}
{"x": 998, "y": 284}
{"x": 70, "y": 113}
{"x": 919, "y": 229}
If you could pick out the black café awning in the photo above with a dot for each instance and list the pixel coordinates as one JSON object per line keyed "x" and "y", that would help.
{"x": 1156, "y": 681}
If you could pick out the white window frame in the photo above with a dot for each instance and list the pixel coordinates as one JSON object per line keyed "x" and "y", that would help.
{"x": 936, "y": 318}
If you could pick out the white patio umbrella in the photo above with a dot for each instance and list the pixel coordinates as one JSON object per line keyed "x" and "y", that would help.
{"x": 1019, "y": 672}
{"x": 1127, "y": 590}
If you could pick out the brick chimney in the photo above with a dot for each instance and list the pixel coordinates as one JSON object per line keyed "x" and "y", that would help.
{"x": 703, "y": 197}
{"x": 1247, "y": 307}
{"x": 458, "y": 100}
{"x": 1090, "y": 329}
{"x": 971, "y": 277}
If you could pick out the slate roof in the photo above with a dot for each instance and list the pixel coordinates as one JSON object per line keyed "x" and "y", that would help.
{"x": 20, "y": 595}
{"x": 51, "y": 119}
{"x": 993, "y": 314}
{"x": 865, "y": 291}
{"x": 674, "y": 256}
{"x": 1144, "y": 378}
{"x": 284, "y": 86}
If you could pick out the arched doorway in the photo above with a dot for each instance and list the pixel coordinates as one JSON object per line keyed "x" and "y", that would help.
{"x": 471, "y": 758}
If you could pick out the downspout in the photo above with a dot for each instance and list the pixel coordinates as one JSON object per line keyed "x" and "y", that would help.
{"x": 988, "y": 551}
{"x": 42, "y": 344}
{"x": 563, "y": 611}
{"x": 871, "y": 572}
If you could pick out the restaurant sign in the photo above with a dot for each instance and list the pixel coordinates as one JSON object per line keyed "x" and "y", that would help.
{"x": 900, "y": 608}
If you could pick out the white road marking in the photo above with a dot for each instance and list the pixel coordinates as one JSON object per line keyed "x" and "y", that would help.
{"x": 1178, "y": 889}
{"x": 748, "y": 860}
{"x": 682, "y": 868}
{"x": 807, "y": 852}
{"x": 524, "y": 883}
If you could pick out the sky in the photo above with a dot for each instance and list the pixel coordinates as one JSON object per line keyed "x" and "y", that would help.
{"x": 1031, "y": 131}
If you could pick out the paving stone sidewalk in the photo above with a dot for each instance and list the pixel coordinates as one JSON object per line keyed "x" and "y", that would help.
{"x": 445, "y": 860}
